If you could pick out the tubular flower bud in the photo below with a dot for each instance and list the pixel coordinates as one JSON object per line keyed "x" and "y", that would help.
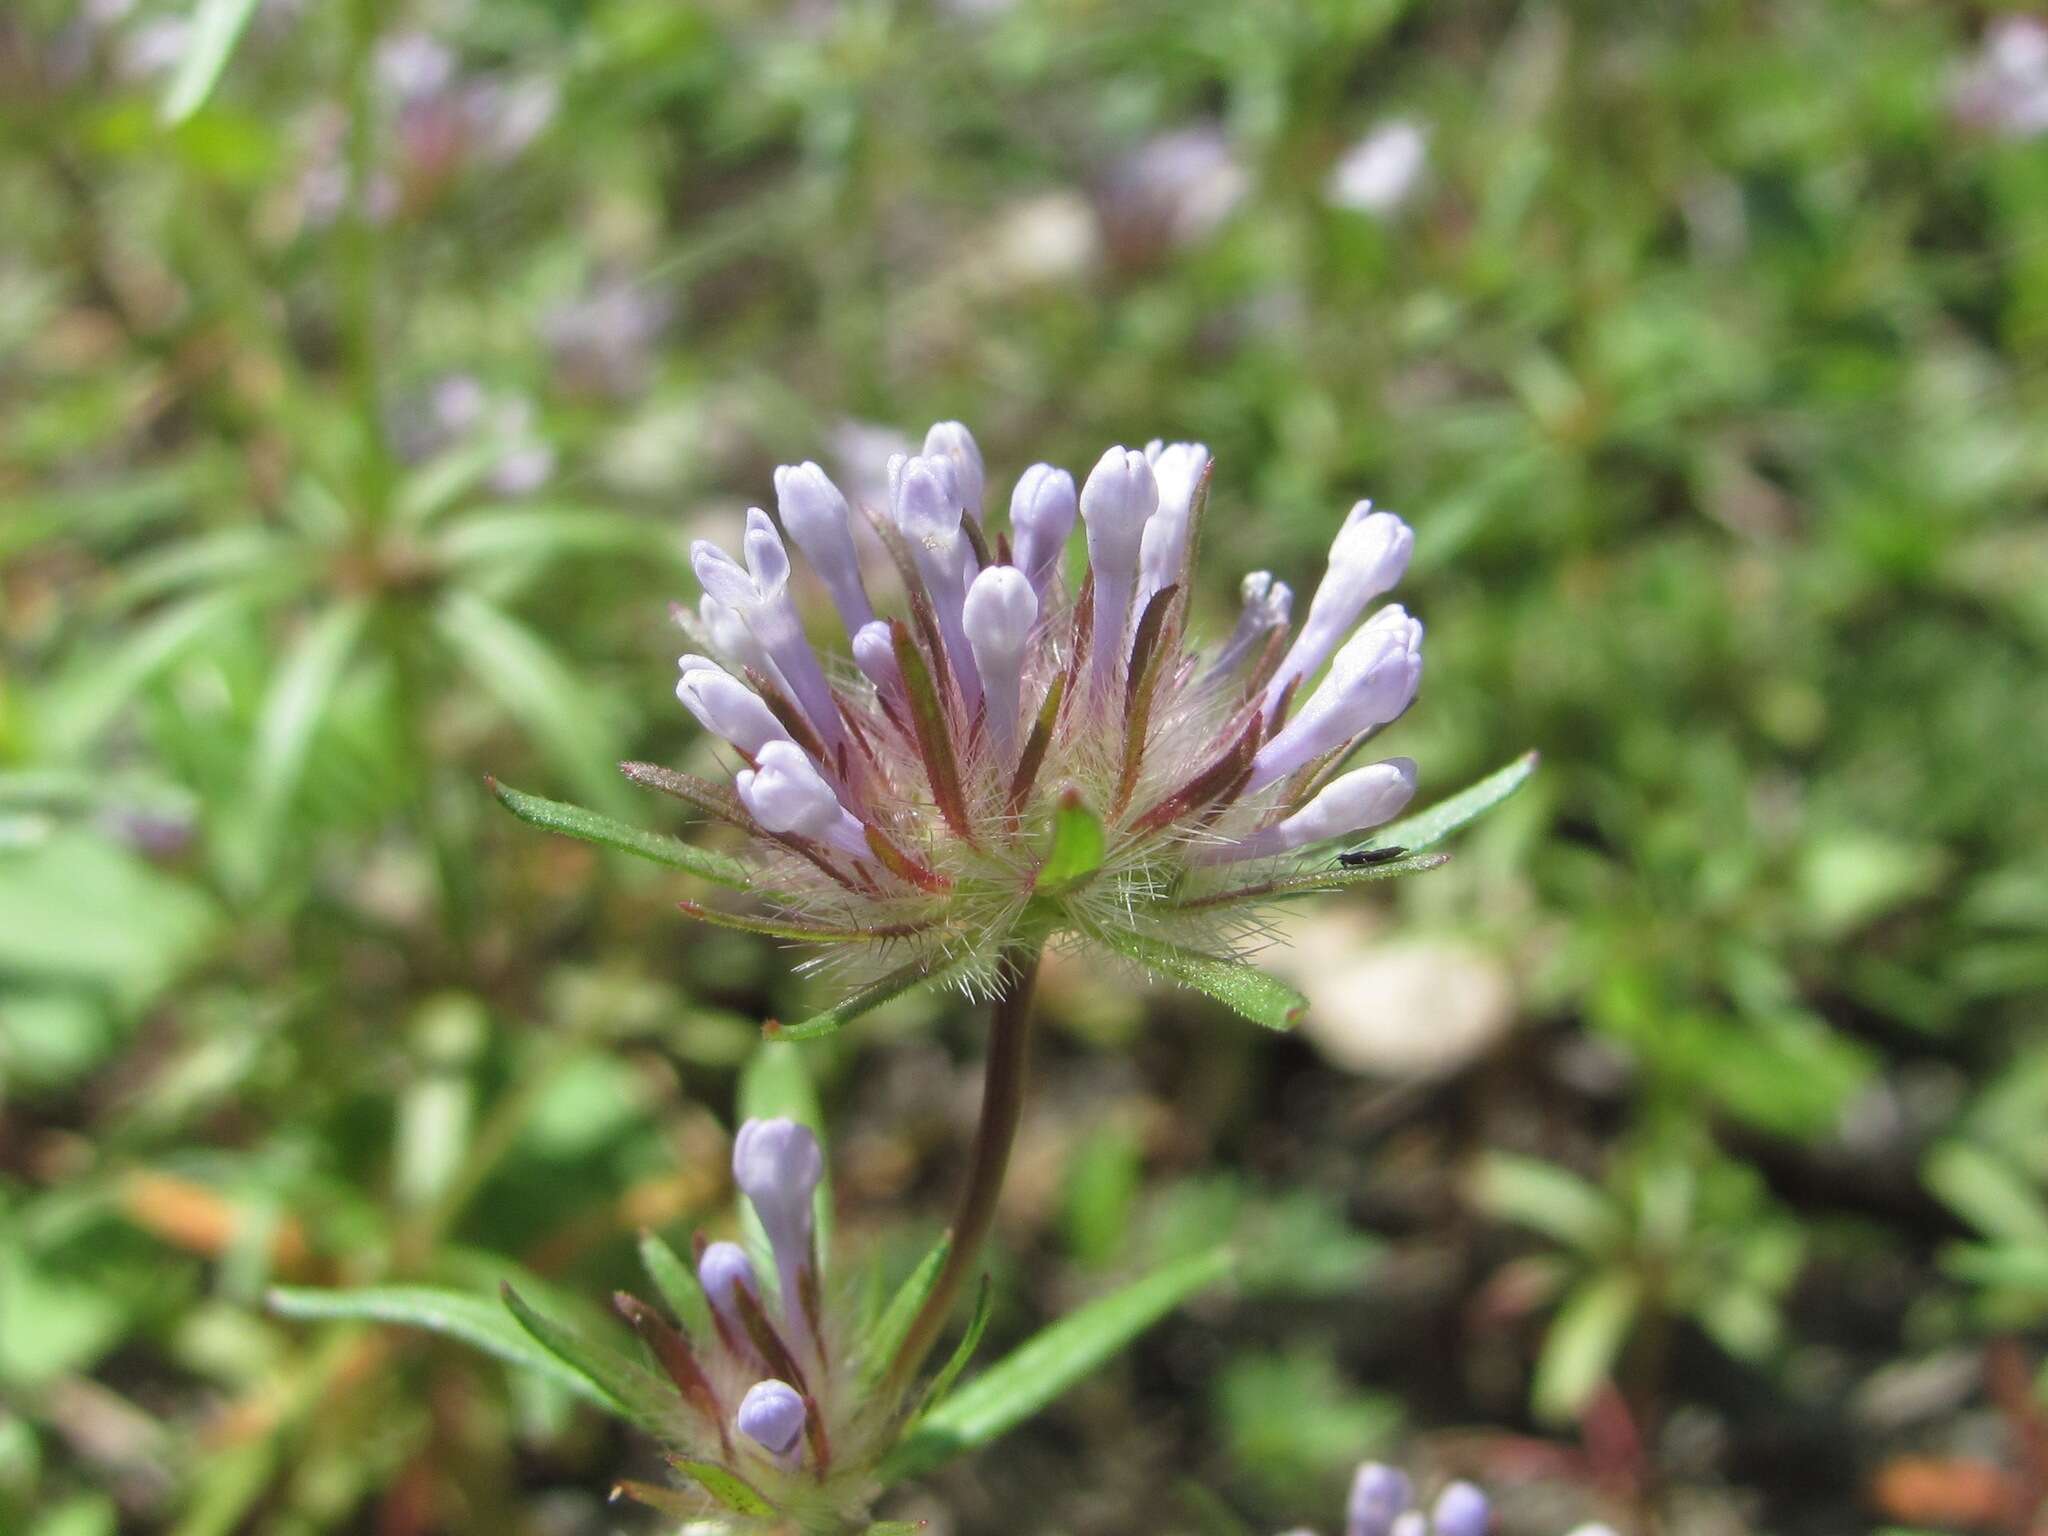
{"x": 1042, "y": 513}
{"x": 726, "y": 707}
{"x": 730, "y": 637}
{"x": 994, "y": 709}
{"x": 817, "y": 517}
{"x": 1368, "y": 558}
{"x": 1177, "y": 468}
{"x": 1372, "y": 680}
{"x": 953, "y": 441}
{"x": 1380, "y": 1495}
{"x": 1118, "y": 499}
{"x": 724, "y": 1269}
{"x": 759, "y": 593}
{"x": 1461, "y": 1510}
{"x": 927, "y": 510}
{"x": 1364, "y": 798}
{"x": 785, "y": 793}
{"x": 772, "y": 1416}
{"x": 998, "y": 616}
{"x": 778, "y": 1166}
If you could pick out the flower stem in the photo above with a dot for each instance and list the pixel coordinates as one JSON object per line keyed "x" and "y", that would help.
{"x": 1002, "y": 1106}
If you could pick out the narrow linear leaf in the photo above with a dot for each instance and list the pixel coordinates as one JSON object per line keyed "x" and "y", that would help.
{"x": 1026, "y": 1380}
{"x": 1263, "y": 999}
{"x": 1432, "y": 826}
{"x": 1150, "y": 648}
{"x": 1988, "y": 1193}
{"x": 796, "y": 930}
{"x": 715, "y": 800}
{"x": 970, "y": 1341}
{"x": 209, "y": 558}
{"x": 478, "y": 1321}
{"x": 300, "y": 693}
{"x": 677, "y": 1283}
{"x": 635, "y": 1391}
{"x": 217, "y": 26}
{"x": 1582, "y": 1344}
{"x": 728, "y": 1488}
{"x": 546, "y": 533}
{"x": 883, "y": 1340}
{"x": 1315, "y": 883}
{"x": 85, "y": 702}
{"x": 1078, "y": 845}
{"x": 1547, "y": 1199}
{"x": 873, "y": 995}
{"x": 593, "y": 827}
{"x": 2013, "y": 1267}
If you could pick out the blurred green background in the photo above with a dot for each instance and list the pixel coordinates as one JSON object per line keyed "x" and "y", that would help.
{"x": 1676, "y": 1156}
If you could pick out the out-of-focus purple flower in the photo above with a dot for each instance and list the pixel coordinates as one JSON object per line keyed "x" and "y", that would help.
{"x": 1381, "y": 171}
{"x": 772, "y": 1416}
{"x": 603, "y": 342}
{"x": 1172, "y": 191}
{"x": 2004, "y": 89}
{"x": 460, "y": 409}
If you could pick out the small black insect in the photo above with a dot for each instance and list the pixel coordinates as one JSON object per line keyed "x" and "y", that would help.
{"x": 1361, "y": 857}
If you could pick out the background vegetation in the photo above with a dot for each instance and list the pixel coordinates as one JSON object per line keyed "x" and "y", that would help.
{"x": 1677, "y": 1155}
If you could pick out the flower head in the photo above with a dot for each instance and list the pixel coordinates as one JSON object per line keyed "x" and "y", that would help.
{"x": 1004, "y": 758}
{"x": 1382, "y": 1503}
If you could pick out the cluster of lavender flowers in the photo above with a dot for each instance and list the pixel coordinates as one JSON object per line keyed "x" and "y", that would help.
{"x": 905, "y": 799}
{"x": 771, "y": 1413}
{"x": 1382, "y": 1503}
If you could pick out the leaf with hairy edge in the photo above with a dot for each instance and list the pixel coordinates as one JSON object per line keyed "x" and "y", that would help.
{"x": 977, "y": 1325}
{"x": 677, "y": 1283}
{"x": 873, "y": 995}
{"x": 715, "y": 800}
{"x": 1445, "y": 817}
{"x": 217, "y": 26}
{"x": 1024, "y": 1381}
{"x": 879, "y": 1348}
{"x": 728, "y": 1488}
{"x": 1263, "y": 999}
{"x": 1150, "y": 649}
{"x": 640, "y": 1396}
{"x": 593, "y": 827}
{"x": 797, "y": 930}
{"x": 296, "y": 703}
{"x": 1315, "y": 883}
{"x": 1078, "y": 845}
{"x": 478, "y": 1321}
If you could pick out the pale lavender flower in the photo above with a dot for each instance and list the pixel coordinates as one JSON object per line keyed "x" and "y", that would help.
{"x": 1460, "y": 1510}
{"x": 1382, "y": 1503}
{"x": 1381, "y": 171}
{"x": 772, "y": 1416}
{"x": 778, "y": 1166}
{"x": 1379, "y": 1496}
{"x": 604, "y": 341}
{"x": 2004, "y": 88}
{"x": 1172, "y": 191}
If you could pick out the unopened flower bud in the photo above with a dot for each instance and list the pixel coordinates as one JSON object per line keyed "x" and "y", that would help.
{"x": 730, "y": 637}
{"x": 772, "y": 1416}
{"x": 1362, "y": 798}
{"x": 722, "y": 1269}
{"x": 927, "y": 510}
{"x": 874, "y": 652}
{"x": 1119, "y": 497}
{"x": 1372, "y": 680}
{"x": 1380, "y": 1495}
{"x": 726, "y": 707}
{"x": 955, "y": 442}
{"x": 778, "y": 1166}
{"x": 785, "y": 793}
{"x": 1042, "y": 512}
{"x": 1177, "y": 467}
{"x": 1266, "y": 606}
{"x": 998, "y": 616}
{"x": 817, "y": 517}
{"x": 1460, "y": 1510}
{"x": 1368, "y": 557}
{"x": 760, "y": 595}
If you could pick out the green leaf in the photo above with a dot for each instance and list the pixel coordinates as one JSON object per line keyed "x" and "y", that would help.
{"x": 873, "y": 995}
{"x": 1988, "y": 1193}
{"x": 883, "y": 1340}
{"x": 1023, "y": 1382}
{"x": 776, "y": 1083}
{"x": 298, "y": 699}
{"x": 546, "y": 533}
{"x": 533, "y": 685}
{"x": 1547, "y": 1199}
{"x": 1314, "y": 883}
{"x": 2011, "y": 1268}
{"x": 593, "y": 827}
{"x": 977, "y": 1325}
{"x": 478, "y": 1321}
{"x": 1445, "y": 817}
{"x": 1078, "y": 845}
{"x": 83, "y": 704}
{"x": 728, "y": 1488}
{"x": 217, "y": 26}
{"x": 677, "y": 1283}
{"x": 1582, "y": 1345}
{"x": 636, "y": 1392}
{"x": 1245, "y": 988}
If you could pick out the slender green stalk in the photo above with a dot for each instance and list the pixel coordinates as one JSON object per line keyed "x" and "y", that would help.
{"x": 1002, "y": 1107}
